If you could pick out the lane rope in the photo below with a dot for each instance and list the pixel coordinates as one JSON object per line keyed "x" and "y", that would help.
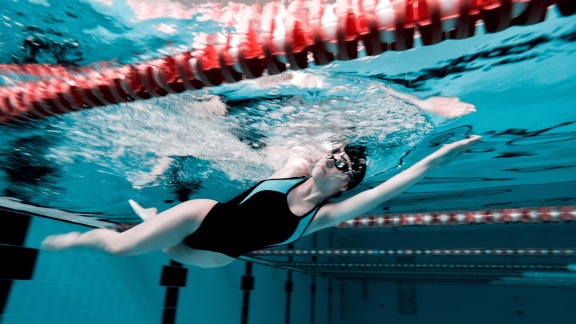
{"x": 270, "y": 40}
{"x": 549, "y": 214}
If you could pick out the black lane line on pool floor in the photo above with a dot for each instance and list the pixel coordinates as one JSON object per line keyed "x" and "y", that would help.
{"x": 17, "y": 262}
{"x": 173, "y": 277}
{"x": 247, "y": 286}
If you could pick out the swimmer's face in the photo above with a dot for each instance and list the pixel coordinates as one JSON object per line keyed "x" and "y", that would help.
{"x": 334, "y": 166}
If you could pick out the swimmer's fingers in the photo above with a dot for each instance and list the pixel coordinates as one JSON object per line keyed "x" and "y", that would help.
{"x": 467, "y": 107}
{"x": 449, "y": 152}
{"x": 452, "y": 110}
{"x": 464, "y": 144}
{"x": 449, "y": 107}
{"x": 467, "y": 141}
{"x": 473, "y": 139}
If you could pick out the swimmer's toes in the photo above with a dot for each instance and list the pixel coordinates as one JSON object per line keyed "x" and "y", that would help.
{"x": 59, "y": 242}
{"x": 144, "y": 213}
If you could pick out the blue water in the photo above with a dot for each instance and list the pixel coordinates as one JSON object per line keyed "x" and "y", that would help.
{"x": 213, "y": 143}
{"x": 218, "y": 141}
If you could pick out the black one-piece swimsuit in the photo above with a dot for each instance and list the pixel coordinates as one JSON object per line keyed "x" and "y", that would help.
{"x": 258, "y": 218}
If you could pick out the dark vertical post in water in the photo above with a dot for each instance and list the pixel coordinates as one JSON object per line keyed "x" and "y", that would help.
{"x": 406, "y": 296}
{"x": 173, "y": 277}
{"x": 17, "y": 262}
{"x": 406, "y": 291}
{"x": 330, "y": 245}
{"x": 330, "y": 301}
{"x": 288, "y": 288}
{"x": 247, "y": 286}
{"x": 313, "y": 285}
{"x": 313, "y": 297}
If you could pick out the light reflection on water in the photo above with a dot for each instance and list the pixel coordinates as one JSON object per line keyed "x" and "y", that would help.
{"x": 217, "y": 141}
{"x": 132, "y": 138}
{"x": 243, "y": 139}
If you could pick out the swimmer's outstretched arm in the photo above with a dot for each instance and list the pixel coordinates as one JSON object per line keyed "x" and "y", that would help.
{"x": 449, "y": 107}
{"x": 337, "y": 212}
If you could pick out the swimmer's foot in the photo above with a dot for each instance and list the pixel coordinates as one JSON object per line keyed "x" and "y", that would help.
{"x": 59, "y": 242}
{"x": 449, "y": 107}
{"x": 144, "y": 213}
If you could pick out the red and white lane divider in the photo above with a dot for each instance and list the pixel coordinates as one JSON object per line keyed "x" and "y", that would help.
{"x": 494, "y": 216}
{"x": 333, "y": 266}
{"x": 273, "y": 39}
{"x": 420, "y": 252}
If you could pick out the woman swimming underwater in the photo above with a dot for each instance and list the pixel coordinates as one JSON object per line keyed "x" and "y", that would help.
{"x": 291, "y": 203}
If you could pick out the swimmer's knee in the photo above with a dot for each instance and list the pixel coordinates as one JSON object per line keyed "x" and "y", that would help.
{"x": 119, "y": 248}
{"x": 116, "y": 250}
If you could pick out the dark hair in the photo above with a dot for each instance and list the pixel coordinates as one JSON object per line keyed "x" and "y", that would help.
{"x": 357, "y": 155}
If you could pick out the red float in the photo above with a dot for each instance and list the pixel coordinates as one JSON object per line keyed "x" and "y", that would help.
{"x": 284, "y": 39}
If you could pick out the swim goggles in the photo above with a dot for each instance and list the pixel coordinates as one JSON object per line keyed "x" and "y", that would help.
{"x": 340, "y": 164}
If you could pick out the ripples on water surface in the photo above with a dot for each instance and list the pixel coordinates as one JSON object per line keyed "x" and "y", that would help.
{"x": 216, "y": 142}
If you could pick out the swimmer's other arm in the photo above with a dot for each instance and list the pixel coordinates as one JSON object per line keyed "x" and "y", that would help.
{"x": 299, "y": 163}
{"x": 449, "y": 107}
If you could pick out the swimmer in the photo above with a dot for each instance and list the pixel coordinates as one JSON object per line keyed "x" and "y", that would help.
{"x": 293, "y": 202}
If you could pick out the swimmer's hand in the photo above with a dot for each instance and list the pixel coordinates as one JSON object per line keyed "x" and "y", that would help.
{"x": 450, "y": 151}
{"x": 449, "y": 107}
{"x": 298, "y": 164}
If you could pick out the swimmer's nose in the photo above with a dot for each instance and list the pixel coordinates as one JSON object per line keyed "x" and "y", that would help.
{"x": 330, "y": 162}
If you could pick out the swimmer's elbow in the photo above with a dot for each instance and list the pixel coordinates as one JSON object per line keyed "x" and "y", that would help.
{"x": 298, "y": 167}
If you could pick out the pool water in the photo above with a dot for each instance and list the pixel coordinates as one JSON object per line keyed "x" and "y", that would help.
{"x": 83, "y": 167}
{"x": 217, "y": 141}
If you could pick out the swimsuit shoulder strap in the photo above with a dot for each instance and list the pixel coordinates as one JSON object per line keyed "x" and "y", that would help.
{"x": 278, "y": 185}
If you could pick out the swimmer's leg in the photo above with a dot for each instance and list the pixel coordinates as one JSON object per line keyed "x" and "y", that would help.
{"x": 181, "y": 252}
{"x": 157, "y": 233}
{"x": 200, "y": 258}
